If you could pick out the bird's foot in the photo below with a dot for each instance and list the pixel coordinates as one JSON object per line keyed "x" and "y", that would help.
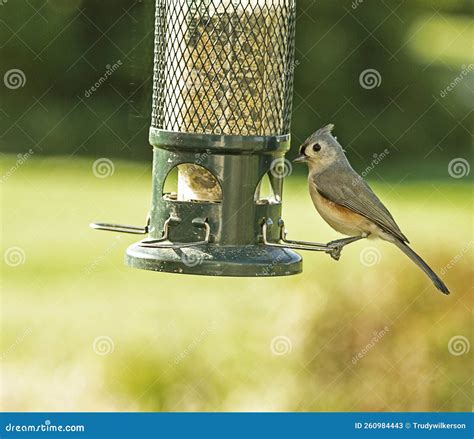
{"x": 334, "y": 249}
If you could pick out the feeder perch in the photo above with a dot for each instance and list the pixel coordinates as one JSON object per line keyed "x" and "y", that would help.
{"x": 223, "y": 79}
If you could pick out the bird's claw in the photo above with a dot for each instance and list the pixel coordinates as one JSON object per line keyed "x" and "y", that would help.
{"x": 334, "y": 249}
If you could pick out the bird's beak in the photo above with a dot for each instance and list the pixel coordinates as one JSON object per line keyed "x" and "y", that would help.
{"x": 300, "y": 159}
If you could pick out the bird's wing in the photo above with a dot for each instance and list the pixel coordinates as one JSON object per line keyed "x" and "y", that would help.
{"x": 352, "y": 192}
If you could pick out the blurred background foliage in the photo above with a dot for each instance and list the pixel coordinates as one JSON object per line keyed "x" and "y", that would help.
{"x": 417, "y": 46}
{"x": 179, "y": 343}
{"x": 199, "y": 343}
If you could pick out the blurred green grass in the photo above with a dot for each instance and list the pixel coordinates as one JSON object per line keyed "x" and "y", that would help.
{"x": 200, "y": 343}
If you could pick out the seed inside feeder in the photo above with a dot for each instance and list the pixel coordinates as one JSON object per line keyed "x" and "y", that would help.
{"x": 220, "y": 77}
{"x": 223, "y": 79}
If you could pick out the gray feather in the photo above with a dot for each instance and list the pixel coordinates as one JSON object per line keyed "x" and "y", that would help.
{"x": 438, "y": 283}
{"x": 352, "y": 192}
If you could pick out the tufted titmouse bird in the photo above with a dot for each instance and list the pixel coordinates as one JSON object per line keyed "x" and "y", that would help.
{"x": 347, "y": 203}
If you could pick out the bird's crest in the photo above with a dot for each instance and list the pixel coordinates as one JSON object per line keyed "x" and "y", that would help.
{"x": 326, "y": 129}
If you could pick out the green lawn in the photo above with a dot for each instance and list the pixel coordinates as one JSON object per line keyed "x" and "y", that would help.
{"x": 200, "y": 343}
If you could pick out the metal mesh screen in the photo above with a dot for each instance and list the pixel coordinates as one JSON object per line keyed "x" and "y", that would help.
{"x": 224, "y": 66}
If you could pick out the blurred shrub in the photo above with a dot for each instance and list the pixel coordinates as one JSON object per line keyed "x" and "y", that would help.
{"x": 64, "y": 48}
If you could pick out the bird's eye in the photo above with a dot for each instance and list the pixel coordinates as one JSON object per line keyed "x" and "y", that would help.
{"x": 316, "y": 147}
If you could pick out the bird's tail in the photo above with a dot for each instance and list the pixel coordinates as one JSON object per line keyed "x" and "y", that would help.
{"x": 438, "y": 283}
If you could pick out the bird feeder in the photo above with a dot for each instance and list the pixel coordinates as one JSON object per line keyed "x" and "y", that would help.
{"x": 223, "y": 79}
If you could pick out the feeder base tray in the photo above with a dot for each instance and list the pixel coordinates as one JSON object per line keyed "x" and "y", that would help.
{"x": 249, "y": 261}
